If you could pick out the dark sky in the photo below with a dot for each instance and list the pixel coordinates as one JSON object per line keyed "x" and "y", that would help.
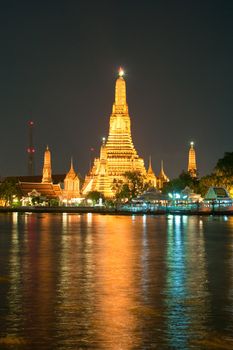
{"x": 59, "y": 62}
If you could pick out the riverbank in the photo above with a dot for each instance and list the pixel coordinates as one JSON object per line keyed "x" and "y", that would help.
{"x": 115, "y": 211}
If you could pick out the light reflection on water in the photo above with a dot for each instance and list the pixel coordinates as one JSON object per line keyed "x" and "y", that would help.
{"x": 70, "y": 281}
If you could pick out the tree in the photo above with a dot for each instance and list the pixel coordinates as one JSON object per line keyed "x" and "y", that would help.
{"x": 9, "y": 190}
{"x": 131, "y": 186}
{"x": 222, "y": 176}
{"x": 208, "y": 181}
{"x": 95, "y": 196}
{"x": 178, "y": 184}
{"x": 224, "y": 171}
{"x": 224, "y": 165}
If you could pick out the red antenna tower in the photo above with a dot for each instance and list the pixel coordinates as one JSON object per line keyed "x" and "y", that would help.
{"x": 31, "y": 150}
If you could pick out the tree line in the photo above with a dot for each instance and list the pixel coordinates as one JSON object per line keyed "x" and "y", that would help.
{"x": 222, "y": 176}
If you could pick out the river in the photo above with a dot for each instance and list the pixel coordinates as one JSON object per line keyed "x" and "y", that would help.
{"x": 90, "y": 281}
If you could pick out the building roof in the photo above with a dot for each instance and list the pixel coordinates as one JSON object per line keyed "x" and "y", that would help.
{"x": 162, "y": 176}
{"x": 47, "y": 190}
{"x": 57, "y": 178}
{"x": 217, "y": 193}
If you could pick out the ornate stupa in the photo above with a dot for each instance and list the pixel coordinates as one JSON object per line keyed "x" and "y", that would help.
{"x": 192, "y": 166}
{"x": 162, "y": 178}
{"x": 71, "y": 184}
{"x": 47, "y": 169}
{"x": 150, "y": 177}
{"x": 117, "y": 154}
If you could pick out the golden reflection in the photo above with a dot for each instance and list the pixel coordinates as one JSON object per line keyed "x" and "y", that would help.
{"x": 14, "y": 293}
{"x": 115, "y": 282}
{"x": 89, "y": 218}
{"x": 15, "y": 218}
{"x": 75, "y": 297}
{"x": 38, "y": 273}
{"x": 144, "y": 219}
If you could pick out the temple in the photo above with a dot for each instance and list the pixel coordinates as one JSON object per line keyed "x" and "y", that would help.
{"x": 47, "y": 169}
{"x": 151, "y": 178}
{"x": 192, "y": 166}
{"x": 49, "y": 187}
{"x": 162, "y": 178}
{"x": 117, "y": 154}
{"x": 71, "y": 185}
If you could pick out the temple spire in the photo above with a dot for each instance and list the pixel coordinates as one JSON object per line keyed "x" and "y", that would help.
{"x": 192, "y": 167}
{"x": 117, "y": 152}
{"x": 150, "y": 170}
{"x": 120, "y": 105}
{"x": 71, "y": 184}
{"x": 71, "y": 171}
{"x": 162, "y": 178}
{"x": 47, "y": 170}
{"x": 151, "y": 178}
{"x": 162, "y": 171}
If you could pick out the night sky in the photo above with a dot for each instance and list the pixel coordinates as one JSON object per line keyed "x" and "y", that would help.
{"x": 59, "y": 62}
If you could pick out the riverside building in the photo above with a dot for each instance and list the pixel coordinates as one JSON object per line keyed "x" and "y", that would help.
{"x": 117, "y": 154}
{"x": 192, "y": 165}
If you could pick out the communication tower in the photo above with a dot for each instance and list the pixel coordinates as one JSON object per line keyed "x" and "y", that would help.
{"x": 31, "y": 149}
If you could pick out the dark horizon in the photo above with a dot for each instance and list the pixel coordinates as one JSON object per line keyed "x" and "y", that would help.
{"x": 58, "y": 67}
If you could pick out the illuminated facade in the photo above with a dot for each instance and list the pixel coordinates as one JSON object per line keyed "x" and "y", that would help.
{"x": 117, "y": 154}
{"x": 51, "y": 188}
{"x": 162, "y": 178}
{"x": 150, "y": 177}
{"x": 47, "y": 169}
{"x": 192, "y": 166}
{"x": 71, "y": 185}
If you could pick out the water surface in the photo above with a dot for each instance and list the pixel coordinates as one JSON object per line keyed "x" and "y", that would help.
{"x": 70, "y": 281}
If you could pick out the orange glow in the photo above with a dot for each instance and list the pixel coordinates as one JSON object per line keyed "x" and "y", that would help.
{"x": 121, "y": 72}
{"x": 115, "y": 283}
{"x": 118, "y": 154}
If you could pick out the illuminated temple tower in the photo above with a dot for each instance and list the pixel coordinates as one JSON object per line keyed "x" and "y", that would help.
{"x": 71, "y": 184}
{"x": 117, "y": 154}
{"x": 151, "y": 178}
{"x": 162, "y": 178}
{"x": 47, "y": 170}
{"x": 192, "y": 167}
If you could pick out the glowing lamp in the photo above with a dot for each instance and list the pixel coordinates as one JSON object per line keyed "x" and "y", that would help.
{"x": 192, "y": 143}
{"x": 121, "y": 72}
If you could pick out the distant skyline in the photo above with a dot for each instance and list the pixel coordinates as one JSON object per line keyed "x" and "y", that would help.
{"x": 58, "y": 66}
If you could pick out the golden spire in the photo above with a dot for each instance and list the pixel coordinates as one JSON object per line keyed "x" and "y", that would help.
{"x": 47, "y": 171}
{"x": 103, "y": 150}
{"x": 71, "y": 172}
{"x": 120, "y": 105}
{"x": 162, "y": 176}
{"x": 117, "y": 152}
{"x": 71, "y": 184}
{"x": 192, "y": 167}
{"x": 162, "y": 171}
{"x": 150, "y": 170}
{"x": 119, "y": 138}
{"x": 150, "y": 176}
